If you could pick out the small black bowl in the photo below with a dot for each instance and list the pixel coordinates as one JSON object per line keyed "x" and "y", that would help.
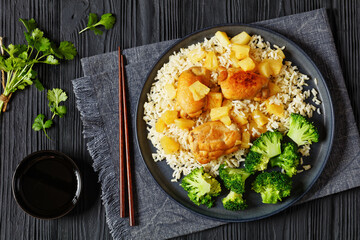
{"x": 47, "y": 184}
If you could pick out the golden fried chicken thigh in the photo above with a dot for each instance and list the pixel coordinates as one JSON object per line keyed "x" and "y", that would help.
{"x": 212, "y": 140}
{"x": 184, "y": 98}
{"x": 238, "y": 85}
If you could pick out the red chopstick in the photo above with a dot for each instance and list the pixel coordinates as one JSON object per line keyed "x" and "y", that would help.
{"x": 124, "y": 138}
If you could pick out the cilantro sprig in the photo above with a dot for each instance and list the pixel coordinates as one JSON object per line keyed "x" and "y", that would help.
{"x": 55, "y": 97}
{"x": 107, "y": 20}
{"x": 20, "y": 59}
{"x": 39, "y": 124}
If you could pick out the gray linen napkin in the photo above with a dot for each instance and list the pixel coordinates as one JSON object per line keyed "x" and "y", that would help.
{"x": 157, "y": 216}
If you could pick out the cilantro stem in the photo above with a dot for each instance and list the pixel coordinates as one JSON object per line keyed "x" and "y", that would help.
{"x": 46, "y": 134}
{"x": 87, "y": 28}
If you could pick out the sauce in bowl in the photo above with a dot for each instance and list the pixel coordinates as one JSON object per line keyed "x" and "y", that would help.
{"x": 47, "y": 184}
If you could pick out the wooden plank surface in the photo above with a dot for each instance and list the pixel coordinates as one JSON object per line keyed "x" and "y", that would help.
{"x": 138, "y": 23}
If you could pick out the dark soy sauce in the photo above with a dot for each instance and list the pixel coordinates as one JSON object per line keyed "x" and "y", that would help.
{"x": 47, "y": 186}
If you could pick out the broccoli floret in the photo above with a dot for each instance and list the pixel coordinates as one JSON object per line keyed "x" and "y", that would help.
{"x": 301, "y": 130}
{"x": 268, "y": 144}
{"x": 201, "y": 187}
{"x": 288, "y": 159}
{"x": 234, "y": 178}
{"x": 272, "y": 186}
{"x": 234, "y": 201}
{"x": 255, "y": 162}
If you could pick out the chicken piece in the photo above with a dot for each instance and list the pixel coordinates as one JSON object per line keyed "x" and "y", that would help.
{"x": 212, "y": 140}
{"x": 184, "y": 98}
{"x": 238, "y": 85}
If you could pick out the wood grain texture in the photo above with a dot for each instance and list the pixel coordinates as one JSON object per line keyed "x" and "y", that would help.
{"x": 142, "y": 22}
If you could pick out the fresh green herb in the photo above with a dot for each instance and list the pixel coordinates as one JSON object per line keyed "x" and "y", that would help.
{"x": 20, "y": 59}
{"x": 107, "y": 20}
{"x": 39, "y": 124}
{"x": 56, "y": 96}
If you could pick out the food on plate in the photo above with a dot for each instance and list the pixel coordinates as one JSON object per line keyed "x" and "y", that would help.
{"x": 234, "y": 201}
{"x": 268, "y": 144}
{"x": 240, "y": 85}
{"x": 227, "y": 100}
{"x": 201, "y": 187}
{"x": 288, "y": 160}
{"x": 302, "y": 131}
{"x": 272, "y": 186}
{"x": 211, "y": 140}
{"x": 233, "y": 178}
{"x": 255, "y": 162}
{"x": 184, "y": 96}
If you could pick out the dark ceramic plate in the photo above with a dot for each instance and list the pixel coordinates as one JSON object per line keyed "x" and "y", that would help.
{"x": 301, "y": 182}
{"x": 47, "y": 184}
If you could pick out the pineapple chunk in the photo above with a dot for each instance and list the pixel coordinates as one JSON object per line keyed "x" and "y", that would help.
{"x": 275, "y": 65}
{"x": 247, "y": 64}
{"x": 218, "y": 113}
{"x": 211, "y": 61}
{"x": 223, "y": 38}
{"x": 169, "y": 116}
{"x": 170, "y": 91}
{"x": 196, "y": 55}
{"x": 255, "y": 129}
{"x": 280, "y": 53}
{"x": 240, "y": 119}
{"x": 241, "y": 38}
{"x": 169, "y": 145}
{"x": 198, "y": 90}
{"x": 265, "y": 69}
{"x": 259, "y": 118}
{"x": 214, "y": 100}
{"x": 227, "y": 103}
{"x": 245, "y": 139}
{"x": 184, "y": 123}
{"x": 241, "y": 51}
{"x": 234, "y": 60}
{"x": 226, "y": 120}
{"x": 274, "y": 89}
{"x": 160, "y": 125}
{"x": 277, "y": 110}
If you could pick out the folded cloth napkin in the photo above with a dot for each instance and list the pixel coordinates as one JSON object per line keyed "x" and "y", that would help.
{"x": 157, "y": 216}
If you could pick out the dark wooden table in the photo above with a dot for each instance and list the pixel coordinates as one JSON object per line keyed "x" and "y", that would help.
{"x": 139, "y": 23}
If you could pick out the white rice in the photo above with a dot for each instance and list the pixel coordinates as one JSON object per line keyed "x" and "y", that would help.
{"x": 292, "y": 96}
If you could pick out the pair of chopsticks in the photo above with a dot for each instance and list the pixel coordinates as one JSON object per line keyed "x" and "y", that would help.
{"x": 124, "y": 148}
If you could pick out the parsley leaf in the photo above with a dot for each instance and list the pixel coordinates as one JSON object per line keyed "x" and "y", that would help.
{"x": 107, "y": 20}
{"x": 39, "y": 124}
{"x": 56, "y": 96}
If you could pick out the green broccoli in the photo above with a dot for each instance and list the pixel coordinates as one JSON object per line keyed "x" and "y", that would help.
{"x": 234, "y": 178}
{"x": 255, "y": 162}
{"x": 201, "y": 187}
{"x": 301, "y": 130}
{"x": 234, "y": 201}
{"x": 273, "y": 186}
{"x": 288, "y": 159}
{"x": 268, "y": 144}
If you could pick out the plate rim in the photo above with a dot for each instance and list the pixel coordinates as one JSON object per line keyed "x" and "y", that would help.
{"x": 331, "y": 126}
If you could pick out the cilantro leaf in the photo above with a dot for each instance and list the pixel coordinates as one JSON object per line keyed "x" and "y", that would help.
{"x": 93, "y": 18}
{"x": 55, "y": 97}
{"x": 39, "y": 124}
{"x": 39, "y": 85}
{"x": 107, "y": 20}
{"x": 51, "y": 60}
{"x": 30, "y": 25}
{"x": 68, "y": 50}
